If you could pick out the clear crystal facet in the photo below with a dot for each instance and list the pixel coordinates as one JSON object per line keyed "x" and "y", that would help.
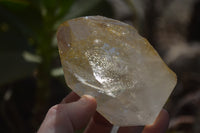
{"x": 109, "y": 60}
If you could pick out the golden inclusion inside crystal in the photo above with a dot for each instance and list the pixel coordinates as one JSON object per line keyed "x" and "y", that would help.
{"x": 109, "y": 60}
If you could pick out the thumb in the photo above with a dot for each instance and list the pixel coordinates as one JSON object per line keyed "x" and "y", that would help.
{"x": 64, "y": 118}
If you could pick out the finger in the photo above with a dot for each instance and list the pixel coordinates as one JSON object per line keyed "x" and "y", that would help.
{"x": 160, "y": 125}
{"x": 98, "y": 124}
{"x": 132, "y": 129}
{"x": 71, "y": 97}
{"x": 64, "y": 118}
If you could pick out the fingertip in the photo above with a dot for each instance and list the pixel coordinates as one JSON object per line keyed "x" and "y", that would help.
{"x": 160, "y": 125}
{"x": 67, "y": 117}
{"x": 89, "y": 97}
{"x": 165, "y": 112}
{"x": 98, "y": 124}
{"x": 81, "y": 111}
{"x": 163, "y": 116}
{"x": 71, "y": 97}
{"x": 89, "y": 100}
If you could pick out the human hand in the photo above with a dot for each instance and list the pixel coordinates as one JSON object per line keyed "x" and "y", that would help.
{"x": 74, "y": 113}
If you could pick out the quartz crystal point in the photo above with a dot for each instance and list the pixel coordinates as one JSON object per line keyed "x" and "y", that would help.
{"x": 109, "y": 60}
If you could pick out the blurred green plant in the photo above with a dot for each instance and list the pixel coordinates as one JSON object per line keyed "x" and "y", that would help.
{"x": 28, "y": 40}
{"x": 29, "y": 27}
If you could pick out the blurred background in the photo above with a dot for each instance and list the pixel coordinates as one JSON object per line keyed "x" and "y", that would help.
{"x": 31, "y": 77}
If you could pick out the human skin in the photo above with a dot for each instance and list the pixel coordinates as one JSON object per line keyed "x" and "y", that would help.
{"x": 74, "y": 113}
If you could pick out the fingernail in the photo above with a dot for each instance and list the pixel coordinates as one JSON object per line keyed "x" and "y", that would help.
{"x": 88, "y": 100}
{"x": 88, "y": 97}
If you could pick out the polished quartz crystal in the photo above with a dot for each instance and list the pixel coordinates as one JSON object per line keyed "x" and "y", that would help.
{"x": 109, "y": 60}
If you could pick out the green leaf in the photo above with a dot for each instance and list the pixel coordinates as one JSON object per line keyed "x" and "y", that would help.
{"x": 63, "y": 8}
{"x": 13, "y": 43}
{"x": 14, "y": 20}
{"x": 15, "y": 4}
{"x": 85, "y": 8}
{"x": 80, "y": 7}
{"x": 57, "y": 72}
{"x": 29, "y": 57}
